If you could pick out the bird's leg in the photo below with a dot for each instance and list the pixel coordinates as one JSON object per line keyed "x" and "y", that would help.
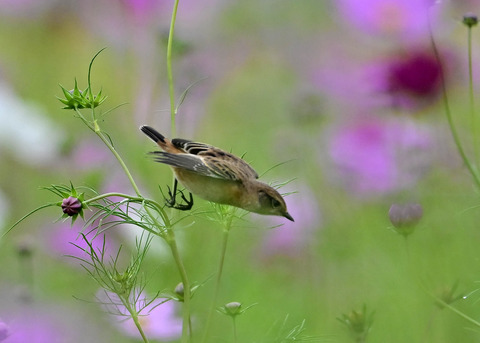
{"x": 172, "y": 202}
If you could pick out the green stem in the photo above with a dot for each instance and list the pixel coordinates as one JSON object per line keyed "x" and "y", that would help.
{"x": 471, "y": 99}
{"x": 134, "y": 315}
{"x": 453, "y": 130}
{"x": 170, "y": 71}
{"x": 118, "y": 157}
{"x": 458, "y": 312}
{"x": 225, "y": 236}
{"x": 186, "y": 285}
{"x": 234, "y": 330}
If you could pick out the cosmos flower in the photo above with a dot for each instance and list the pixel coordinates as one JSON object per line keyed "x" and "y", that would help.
{"x": 401, "y": 18}
{"x": 413, "y": 79}
{"x": 64, "y": 239}
{"x": 375, "y": 156}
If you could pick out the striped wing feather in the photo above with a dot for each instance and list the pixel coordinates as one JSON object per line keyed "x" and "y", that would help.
{"x": 207, "y": 160}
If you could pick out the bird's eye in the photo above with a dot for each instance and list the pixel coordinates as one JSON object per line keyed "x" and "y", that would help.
{"x": 275, "y": 203}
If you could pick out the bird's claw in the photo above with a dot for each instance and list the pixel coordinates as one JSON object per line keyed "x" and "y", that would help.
{"x": 172, "y": 201}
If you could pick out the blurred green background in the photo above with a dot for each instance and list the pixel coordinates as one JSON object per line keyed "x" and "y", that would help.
{"x": 346, "y": 96}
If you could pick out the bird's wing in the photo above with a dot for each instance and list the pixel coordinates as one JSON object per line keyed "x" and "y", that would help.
{"x": 207, "y": 160}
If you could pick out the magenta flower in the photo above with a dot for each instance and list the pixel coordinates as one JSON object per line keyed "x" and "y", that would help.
{"x": 158, "y": 321}
{"x": 413, "y": 79}
{"x": 400, "y": 18}
{"x": 374, "y": 156}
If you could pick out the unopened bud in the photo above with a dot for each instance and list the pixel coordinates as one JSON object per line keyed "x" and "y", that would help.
{"x": 405, "y": 217}
{"x": 71, "y": 206}
{"x": 470, "y": 20}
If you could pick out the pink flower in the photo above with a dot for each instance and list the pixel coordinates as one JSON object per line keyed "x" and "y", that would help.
{"x": 158, "y": 321}
{"x": 401, "y": 18}
{"x": 65, "y": 240}
{"x": 378, "y": 156}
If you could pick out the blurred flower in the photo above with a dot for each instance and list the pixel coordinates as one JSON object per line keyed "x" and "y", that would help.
{"x": 158, "y": 321}
{"x": 33, "y": 326}
{"x": 378, "y": 156}
{"x": 89, "y": 154}
{"x": 29, "y": 135}
{"x": 291, "y": 239}
{"x": 26, "y": 8}
{"x": 401, "y": 18}
{"x": 143, "y": 11}
{"x": 25, "y": 321}
{"x": 4, "y": 331}
{"x": 65, "y": 239}
{"x": 405, "y": 217}
{"x": 413, "y": 79}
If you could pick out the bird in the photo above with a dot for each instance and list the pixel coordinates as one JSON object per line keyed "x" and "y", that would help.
{"x": 215, "y": 175}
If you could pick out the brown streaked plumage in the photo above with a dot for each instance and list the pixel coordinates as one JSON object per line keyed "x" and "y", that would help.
{"x": 216, "y": 175}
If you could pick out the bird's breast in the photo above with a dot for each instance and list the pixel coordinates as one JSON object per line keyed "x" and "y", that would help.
{"x": 212, "y": 189}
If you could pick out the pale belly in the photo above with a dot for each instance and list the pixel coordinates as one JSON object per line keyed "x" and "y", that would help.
{"x": 212, "y": 189}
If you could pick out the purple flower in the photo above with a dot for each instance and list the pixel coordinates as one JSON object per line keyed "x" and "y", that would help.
{"x": 34, "y": 327}
{"x": 401, "y": 18}
{"x": 4, "y": 331}
{"x": 413, "y": 79}
{"x": 158, "y": 321}
{"x": 65, "y": 239}
{"x": 88, "y": 155}
{"x": 375, "y": 156}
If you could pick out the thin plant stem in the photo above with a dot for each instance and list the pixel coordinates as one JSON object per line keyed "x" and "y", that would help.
{"x": 118, "y": 157}
{"x": 471, "y": 168}
{"x": 134, "y": 316}
{"x": 235, "y": 340}
{"x": 223, "y": 251}
{"x": 458, "y": 312}
{"x": 186, "y": 328}
{"x": 171, "y": 88}
{"x": 170, "y": 237}
{"x": 471, "y": 99}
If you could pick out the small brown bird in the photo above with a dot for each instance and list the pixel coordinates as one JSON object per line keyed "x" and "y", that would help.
{"x": 215, "y": 175}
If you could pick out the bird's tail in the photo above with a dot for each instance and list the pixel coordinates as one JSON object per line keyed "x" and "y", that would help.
{"x": 154, "y": 135}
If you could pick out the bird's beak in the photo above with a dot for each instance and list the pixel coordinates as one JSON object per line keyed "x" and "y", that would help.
{"x": 288, "y": 216}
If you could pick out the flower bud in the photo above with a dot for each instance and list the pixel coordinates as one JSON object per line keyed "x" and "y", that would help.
{"x": 405, "y": 217}
{"x": 179, "y": 291}
{"x": 470, "y": 20}
{"x": 71, "y": 206}
{"x": 358, "y": 323}
{"x": 233, "y": 308}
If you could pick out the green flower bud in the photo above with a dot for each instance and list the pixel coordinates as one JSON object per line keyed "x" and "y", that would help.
{"x": 179, "y": 291}
{"x": 233, "y": 308}
{"x": 470, "y": 20}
